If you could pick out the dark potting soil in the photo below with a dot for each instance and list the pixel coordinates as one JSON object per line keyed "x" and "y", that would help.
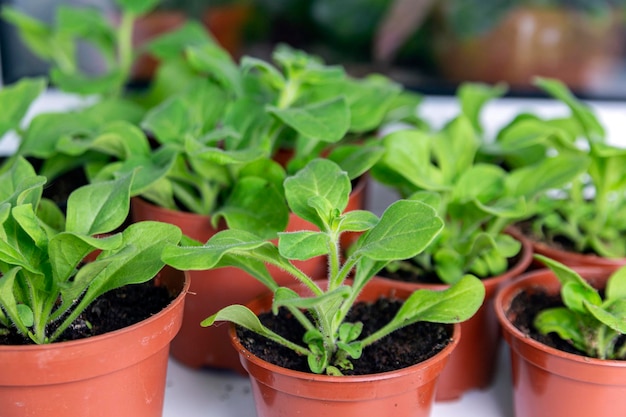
{"x": 404, "y": 347}
{"x": 557, "y": 242}
{"x": 525, "y": 307}
{"x": 113, "y": 310}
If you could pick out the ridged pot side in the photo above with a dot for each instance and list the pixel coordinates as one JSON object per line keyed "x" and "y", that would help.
{"x": 548, "y": 382}
{"x": 121, "y": 373}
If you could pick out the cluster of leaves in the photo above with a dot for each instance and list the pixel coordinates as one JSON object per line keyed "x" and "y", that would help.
{"x": 57, "y": 43}
{"x": 46, "y": 282}
{"x": 319, "y": 194}
{"x": 217, "y": 126}
{"x": 593, "y": 324}
{"x": 477, "y": 200}
{"x": 589, "y": 210}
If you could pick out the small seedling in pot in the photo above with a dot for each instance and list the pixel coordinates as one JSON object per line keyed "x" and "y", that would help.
{"x": 594, "y": 324}
{"x": 319, "y": 194}
{"x": 46, "y": 276}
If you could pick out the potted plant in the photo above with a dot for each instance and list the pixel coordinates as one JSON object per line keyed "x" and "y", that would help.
{"x": 217, "y": 154}
{"x": 580, "y": 224}
{"x": 60, "y": 277}
{"x": 478, "y": 202}
{"x": 331, "y": 344}
{"x": 565, "y": 329}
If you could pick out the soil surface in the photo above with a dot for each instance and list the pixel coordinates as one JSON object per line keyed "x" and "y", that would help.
{"x": 112, "y": 311}
{"x": 405, "y": 347}
{"x": 525, "y": 307}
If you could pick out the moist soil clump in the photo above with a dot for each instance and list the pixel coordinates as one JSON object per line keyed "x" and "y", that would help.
{"x": 402, "y": 348}
{"x": 525, "y": 307}
{"x": 111, "y": 311}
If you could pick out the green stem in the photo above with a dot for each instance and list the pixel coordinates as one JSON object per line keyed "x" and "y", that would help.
{"x": 289, "y": 94}
{"x": 125, "y": 45}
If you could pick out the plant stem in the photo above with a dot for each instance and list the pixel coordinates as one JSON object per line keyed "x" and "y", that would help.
{"x": 125, "y": 51}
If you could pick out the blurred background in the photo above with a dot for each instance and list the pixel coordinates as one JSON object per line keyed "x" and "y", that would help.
{"x": 428, "y": 45}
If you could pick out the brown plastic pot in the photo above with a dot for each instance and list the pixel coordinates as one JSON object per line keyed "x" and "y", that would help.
{"x": 121, "y": 373}
{"x": 548, "y": 382}
{"x": 473, "y": 363}
{"x": 195, "y": 346}
{"x": 283, "y": 392}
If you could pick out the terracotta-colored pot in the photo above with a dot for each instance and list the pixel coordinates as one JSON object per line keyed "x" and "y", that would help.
{"x": 575, "y": 47}
{"x": 573, "y": 259}
{"x": 472, "y": 365}
{"x": 282, "y": 392}
{"x": 121, "y": 373}
{"x": 548, "y": 382}
{"x": 147, "y": 28}
{"x": 196, "y": 346}
{"x": 226, "y": 23}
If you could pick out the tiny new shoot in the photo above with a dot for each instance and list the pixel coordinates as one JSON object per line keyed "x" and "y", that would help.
{"x": 319, "y": 194}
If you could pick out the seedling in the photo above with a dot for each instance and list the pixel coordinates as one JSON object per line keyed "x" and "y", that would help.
{"x": 592, "y": 323}
{"x": 319, "y": 194}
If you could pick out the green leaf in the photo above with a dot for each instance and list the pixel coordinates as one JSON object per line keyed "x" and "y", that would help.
{"x": 137, "y": 7}
{"x": 238, "y": 314}
{"x": 561, "y": 321}
{"x": 218, "y": 64}
{"x": 457, "y": 303}
{"x": 356, "y": 160}
{"x": 269, "y": 73}
{"x": 73, "y": 82}
{"x": 256, "y": 205}
{"x": 20, "y": 184}
{"x": 474, "y": 96}
{"x": 66, "y": 250}
{"x": 37, "y": 36}
{"x": 612, "y": 314}
{"x": 320, "y": 178}
{"x": 549, "y": 173}
{"x": 349, "y": 332}
{"x": 100, "y": 207}
{"x": 8, "y": 301}
{"x": 357, "y": 221}
{"x": 574, "y": 289}
{"x": 302, "y": 245}
{"x": 455, "y": 148}
{"x": 329, "y": 301}
{"x": 405, "y": 229}
{"x": 169, "y": 45}
{"x": 408, "y": 154}
{"x": 327, "y": 121}
{"x": 16, "y": 99}
{"x": 88, "y": 24}
{"x": 616, "y": 285}
{"x": 225, "y": 242}
{"x": 590, "y": 124}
